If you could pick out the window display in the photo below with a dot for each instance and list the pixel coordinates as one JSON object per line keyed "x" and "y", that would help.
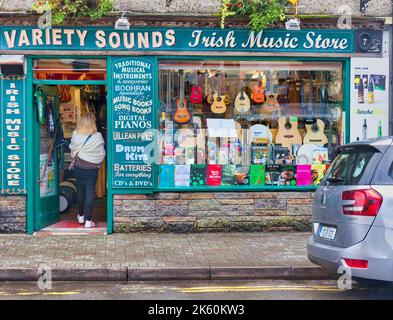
{"x": 252, "y": 123}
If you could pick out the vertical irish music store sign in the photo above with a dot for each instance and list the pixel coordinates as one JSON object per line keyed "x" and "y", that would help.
{"x": 13, "y": 134}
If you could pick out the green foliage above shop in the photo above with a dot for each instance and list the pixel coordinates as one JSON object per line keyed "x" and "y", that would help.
{"x": 261, "y": 13}
{"x": 68, "y": 10}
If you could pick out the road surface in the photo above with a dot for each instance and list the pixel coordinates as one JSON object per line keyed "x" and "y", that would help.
{"x": 193, "y": 290}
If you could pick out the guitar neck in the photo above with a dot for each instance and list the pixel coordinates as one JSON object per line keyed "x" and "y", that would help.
{"x": 219, "y": 85}
{"x": 242, "y": 88}
{"x": 181, "y": 88}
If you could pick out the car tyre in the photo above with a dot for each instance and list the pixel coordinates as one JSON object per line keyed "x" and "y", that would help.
{"x": 372, "y": 283}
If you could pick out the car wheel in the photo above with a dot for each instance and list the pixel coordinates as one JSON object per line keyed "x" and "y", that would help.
{"x": 372, "y": 283}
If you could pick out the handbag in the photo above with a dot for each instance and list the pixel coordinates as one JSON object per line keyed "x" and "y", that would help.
{"x": 72, "y": 164}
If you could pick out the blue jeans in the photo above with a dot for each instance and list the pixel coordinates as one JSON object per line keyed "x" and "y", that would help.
{"x": 86, "y": 183}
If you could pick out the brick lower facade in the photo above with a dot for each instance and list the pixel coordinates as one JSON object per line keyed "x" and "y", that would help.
{"x": 12, "y": 214}
{"x": 191, "y": 212}
{"x": 213, "y": 211}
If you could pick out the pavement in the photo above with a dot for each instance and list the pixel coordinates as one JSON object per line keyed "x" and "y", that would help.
{"x": 158, "y": 256}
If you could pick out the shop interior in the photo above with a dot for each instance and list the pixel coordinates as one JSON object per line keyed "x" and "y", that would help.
{"x": 59, "y": 107}
{"x": 248, "y": 123}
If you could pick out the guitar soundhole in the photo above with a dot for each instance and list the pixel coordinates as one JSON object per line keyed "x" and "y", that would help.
{"x": 288, "y": 126}
{"x": 314, "y": 128}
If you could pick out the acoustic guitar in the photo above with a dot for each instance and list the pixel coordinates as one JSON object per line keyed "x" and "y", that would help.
{"x": 287, "y": 133}
{"x": 271, "y": 104}
{"x": 218, "y": 105}
{"x": 196, "y": 93}
{"x": 242, "y": 101}
{"x": 181, "y": 115}
{"x": 259, "y": 96}
{"x": 314, "y": 127}
{"x": 315, "y": 133}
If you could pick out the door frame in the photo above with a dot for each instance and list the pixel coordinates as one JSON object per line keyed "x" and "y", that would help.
{"x": 32, "y": 186}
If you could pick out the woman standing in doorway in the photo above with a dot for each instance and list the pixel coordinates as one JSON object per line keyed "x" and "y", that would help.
{"x": 88, "y": 152}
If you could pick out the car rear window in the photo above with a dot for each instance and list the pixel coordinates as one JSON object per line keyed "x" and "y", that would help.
{"x": 349, "y": 167}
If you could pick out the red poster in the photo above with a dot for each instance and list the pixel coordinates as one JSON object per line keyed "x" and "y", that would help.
{"x": 213, "y": 175}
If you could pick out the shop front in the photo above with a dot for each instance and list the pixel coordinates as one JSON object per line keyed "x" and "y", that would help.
{"x": 205, "y": 129}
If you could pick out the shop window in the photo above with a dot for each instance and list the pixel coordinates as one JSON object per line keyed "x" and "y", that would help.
{"x": 70, "y": 69}
{"x": 248, "y": 123}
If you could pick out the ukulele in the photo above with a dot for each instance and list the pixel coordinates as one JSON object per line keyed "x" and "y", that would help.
{"x": 271, "y": 105}
{"x": 259, "y": 96}
{"x": 181, "y": 115}
{"x": 242, "y": 101}
{"x": 209, "y": 97}
{"x": 196, "y": 93}
{"x": 218, "y": 105}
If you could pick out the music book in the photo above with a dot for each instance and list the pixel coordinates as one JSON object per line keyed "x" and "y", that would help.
{"x": 228, "y": 175}
{"x": 272, "y": 174}
{"x": 198, "y": 175}
{"x": 257, "y": 174}
{"x": 318, "y": 172}
{"x": 166, "y": 175}
{"x": 288, "y": 176}
{"x": 213, "y": 175}
{"x": 303, "y": 175}
{"x": 182, "y": 175}
{"x": 242, "y": 175}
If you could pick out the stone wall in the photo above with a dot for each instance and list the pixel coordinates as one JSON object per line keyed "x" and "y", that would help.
{"x": 213, "y": 211}
{"x": 375, "y": 7}
{"x": 12, "y": 214}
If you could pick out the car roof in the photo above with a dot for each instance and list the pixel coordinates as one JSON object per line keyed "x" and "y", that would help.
{"x": 381, "y": 144}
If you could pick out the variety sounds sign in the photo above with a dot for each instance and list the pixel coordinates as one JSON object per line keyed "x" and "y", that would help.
{"x": 133, "y": 90}
{"x": 13, "y": 138}
{"x": 176, "y": 39}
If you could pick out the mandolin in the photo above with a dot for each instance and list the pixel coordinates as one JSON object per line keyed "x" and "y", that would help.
{"x": 315, "y": 133}
{"x": 181, "y": 115}
{"x": 259, "y": 96}
{"x": 242, "y": 101}
{"x": 196, "y": 93}
{"x": 218, "y": 105}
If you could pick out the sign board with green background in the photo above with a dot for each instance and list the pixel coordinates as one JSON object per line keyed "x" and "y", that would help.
{"x": 177, "y": 39}
{"x": 133, "y": 88}
{"x": 13, "y": 134}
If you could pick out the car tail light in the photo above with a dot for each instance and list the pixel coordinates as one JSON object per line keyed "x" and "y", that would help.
{"x": 363, "y": 202}
{"x": 356, "y": 263}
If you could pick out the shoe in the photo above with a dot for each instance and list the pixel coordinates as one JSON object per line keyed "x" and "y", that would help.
{"x": 81, "y": 219}
{"x": 89, "y": 224}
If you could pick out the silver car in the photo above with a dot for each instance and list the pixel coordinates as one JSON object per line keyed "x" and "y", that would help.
{"x": 353, "y": 213}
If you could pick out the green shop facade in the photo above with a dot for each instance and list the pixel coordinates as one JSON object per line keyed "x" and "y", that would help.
{"x": 207, "y": 129}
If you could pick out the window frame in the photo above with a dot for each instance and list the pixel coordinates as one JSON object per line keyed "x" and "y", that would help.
{"x": 239, "y": 188}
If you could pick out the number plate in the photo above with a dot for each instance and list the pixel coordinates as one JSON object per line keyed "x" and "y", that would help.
{"x": 328, "y": 232}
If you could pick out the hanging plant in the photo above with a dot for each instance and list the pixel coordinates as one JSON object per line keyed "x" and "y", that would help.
{"x": 261, "y": 13}
{"x": 63, "y": 10}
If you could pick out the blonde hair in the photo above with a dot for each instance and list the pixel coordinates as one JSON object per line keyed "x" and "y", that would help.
{"x": 87, "y": 124}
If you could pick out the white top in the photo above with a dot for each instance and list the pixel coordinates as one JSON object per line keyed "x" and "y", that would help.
{"x": 94, "y": 149}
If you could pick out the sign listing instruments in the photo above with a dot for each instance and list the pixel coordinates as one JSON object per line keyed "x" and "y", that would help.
{"x": 132, "y": 118}
{"x": 13, "y": 131}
